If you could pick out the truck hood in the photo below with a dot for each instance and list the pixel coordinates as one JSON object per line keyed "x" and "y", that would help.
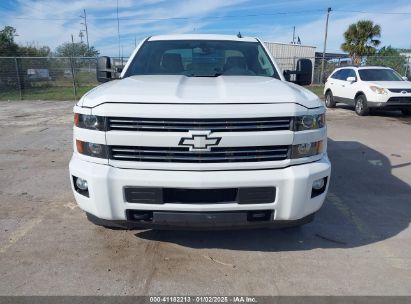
{"x": 189, "y": 90}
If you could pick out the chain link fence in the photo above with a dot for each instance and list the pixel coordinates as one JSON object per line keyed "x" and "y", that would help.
{"x": 65, "y": 78}
{"x": 402, "y": 64}
{"x": 58, "y": 78}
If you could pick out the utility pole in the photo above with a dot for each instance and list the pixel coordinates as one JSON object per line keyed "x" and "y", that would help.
{"x": 294, "y": 34}
{"x": 118, "y": 33}
{"x": 85, "y": 26}
{"x": 73, "y": 76}
{"x": 325, "y": 46}
{"x": 122, "y": 53}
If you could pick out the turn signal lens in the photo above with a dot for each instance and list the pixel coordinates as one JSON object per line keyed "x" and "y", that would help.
{"x": 307, "y": 149}
{"x": 91, "y": 149}
{"x": 76, "y": 119}
{"x": 79, "y": 146}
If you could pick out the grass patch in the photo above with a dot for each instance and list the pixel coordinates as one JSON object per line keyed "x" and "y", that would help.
{"x": 45, "y": 93}
{"x": 317, "y": 89}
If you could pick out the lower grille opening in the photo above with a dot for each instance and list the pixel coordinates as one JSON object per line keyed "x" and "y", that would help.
{"x": 202, "y": 218}
{"x": 243, "y": 195}
{"x": 199, "y": 196}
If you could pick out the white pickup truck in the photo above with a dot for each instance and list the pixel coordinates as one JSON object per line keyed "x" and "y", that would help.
{"x": 200, "y": 131}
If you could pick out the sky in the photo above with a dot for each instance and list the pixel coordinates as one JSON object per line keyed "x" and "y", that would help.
{"x": 52, "y": 22}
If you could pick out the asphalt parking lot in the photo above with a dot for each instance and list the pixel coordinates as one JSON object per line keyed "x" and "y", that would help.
{"x": 359, "y": 243}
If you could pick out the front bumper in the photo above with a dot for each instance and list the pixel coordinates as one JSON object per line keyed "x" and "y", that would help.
{"x": 199, "y": 221}
{"x": 391, "y": 102}
{"x": 293, "y": 185}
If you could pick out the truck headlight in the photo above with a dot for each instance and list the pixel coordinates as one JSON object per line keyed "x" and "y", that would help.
{"x": 307, "y": 149}
{"x": 91, "y": 149}
{"x": 378, "y": 90}
{"x": 309, "y": 122}
{"x": 91, "y": 122}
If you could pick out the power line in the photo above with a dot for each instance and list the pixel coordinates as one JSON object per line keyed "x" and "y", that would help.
{"x": 217, "y": 17}
{"x": 381, "y": 13}
{"x": 180, "y": 18}
{"x": 209, "y": 17}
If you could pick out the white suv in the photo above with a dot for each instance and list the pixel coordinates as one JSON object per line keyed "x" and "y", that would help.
{"x": 368, "y": 87}
{"x": 199, "y": 131}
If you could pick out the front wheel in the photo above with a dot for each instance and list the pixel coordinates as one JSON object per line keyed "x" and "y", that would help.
{"x": 329, "y": 100}
{"x": 361, "y": 107}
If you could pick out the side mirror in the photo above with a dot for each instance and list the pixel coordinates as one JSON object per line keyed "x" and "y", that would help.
{"x": 351, "y": 79}
{"x": 405, "y": 78}
{"x": 104, "y": 72}
{"x": 287, "y": 75}
{"x": 303, "y": 72}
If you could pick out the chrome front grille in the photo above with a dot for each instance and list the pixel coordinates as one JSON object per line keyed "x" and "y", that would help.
{"x": 185, "y": 125}
{"x": 183, "y": 155}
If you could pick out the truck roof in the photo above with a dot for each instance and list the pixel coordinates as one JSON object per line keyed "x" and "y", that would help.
{"x": 202, "y": 37}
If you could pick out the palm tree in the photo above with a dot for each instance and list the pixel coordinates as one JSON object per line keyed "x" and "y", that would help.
{"x": 360, "y": 39}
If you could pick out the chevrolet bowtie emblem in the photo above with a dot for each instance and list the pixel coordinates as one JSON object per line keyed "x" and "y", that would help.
{"x": 199, "y": 141}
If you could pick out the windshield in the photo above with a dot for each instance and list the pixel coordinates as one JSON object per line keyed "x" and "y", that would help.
{"x": 202, "y": 58}
{"x": 379, "y": 75}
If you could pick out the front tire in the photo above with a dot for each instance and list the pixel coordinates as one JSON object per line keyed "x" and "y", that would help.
{"x": 329, "y": 100}
{"x": 361, "y": 107}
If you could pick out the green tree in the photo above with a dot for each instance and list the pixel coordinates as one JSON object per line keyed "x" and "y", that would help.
{"x": 360, "y": 39}
{"x": 7, "y": 45}
{"x": 389, "y": 57}
{"x": 78, "y": 49}
{"x": 33, "y": 51}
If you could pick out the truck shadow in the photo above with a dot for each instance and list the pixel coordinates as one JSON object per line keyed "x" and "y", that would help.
{"x": 366, "y": 203}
